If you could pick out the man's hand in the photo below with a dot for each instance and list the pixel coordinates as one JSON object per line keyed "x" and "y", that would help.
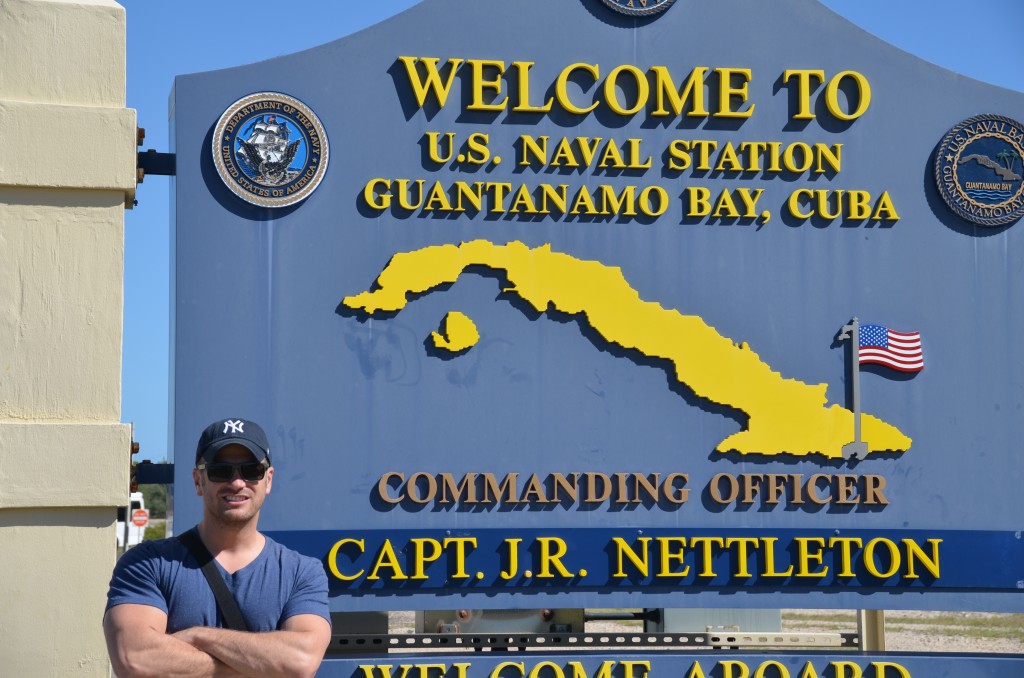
{"x": 139, "y": 647}
{"x": 294, "y": 651}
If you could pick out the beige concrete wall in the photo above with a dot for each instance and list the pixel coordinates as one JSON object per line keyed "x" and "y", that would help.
{"x": 67, "y": 170}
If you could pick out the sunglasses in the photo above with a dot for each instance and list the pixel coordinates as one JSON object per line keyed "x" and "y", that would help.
{"x": 250, "y": 471}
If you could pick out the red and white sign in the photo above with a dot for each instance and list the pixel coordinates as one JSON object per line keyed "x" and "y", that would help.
{"x": 140, "y": 517}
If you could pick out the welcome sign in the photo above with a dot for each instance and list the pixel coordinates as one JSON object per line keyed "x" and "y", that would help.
{"x": 596, "y": 303}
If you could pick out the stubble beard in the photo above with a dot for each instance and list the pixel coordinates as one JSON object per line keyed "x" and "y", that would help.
{"x": 232, "y": 518}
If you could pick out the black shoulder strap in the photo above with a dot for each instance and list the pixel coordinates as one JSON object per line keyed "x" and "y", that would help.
{"x": 225, "y": 601}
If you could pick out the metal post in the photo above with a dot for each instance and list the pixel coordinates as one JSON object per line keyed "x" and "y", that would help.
{"x": 169, "y": 522}
{"x": 858, "y": 449}
{"x": 856, "y": 379}
{"x": 871, "y": 630}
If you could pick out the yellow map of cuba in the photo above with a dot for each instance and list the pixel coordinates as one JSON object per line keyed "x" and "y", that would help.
{"x": 785, "y": 416}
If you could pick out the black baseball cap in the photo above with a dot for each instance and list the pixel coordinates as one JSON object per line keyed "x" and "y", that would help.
{"x": 224, "y": 432}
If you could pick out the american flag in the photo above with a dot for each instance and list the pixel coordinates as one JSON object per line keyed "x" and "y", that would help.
{"x": 898, "y": 350}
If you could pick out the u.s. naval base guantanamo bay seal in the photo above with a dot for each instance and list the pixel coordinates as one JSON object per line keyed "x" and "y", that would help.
{"x": 979, "y": 170}
{"x": 785, "y": 416}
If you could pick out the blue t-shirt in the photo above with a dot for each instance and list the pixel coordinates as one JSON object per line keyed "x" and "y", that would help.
{"x": 278, "y": 584}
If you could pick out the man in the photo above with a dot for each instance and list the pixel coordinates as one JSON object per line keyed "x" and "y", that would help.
{"x": 162, "y": 618}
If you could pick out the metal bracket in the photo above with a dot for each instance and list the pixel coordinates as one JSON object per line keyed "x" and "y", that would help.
{"x": 443, "y": 642}
{"x": 148, "y": 473}
{"x": 151, "y": 162}
{"x": 737, "y": 640}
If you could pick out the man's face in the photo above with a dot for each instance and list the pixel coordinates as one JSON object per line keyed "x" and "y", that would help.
{"x": 236, "y": 501}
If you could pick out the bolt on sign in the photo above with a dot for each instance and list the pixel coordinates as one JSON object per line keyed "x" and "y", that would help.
{"x": 604, "y": 318}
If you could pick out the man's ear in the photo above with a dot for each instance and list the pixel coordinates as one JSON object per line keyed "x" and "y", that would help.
{"x": 270, "y": 478}
{"x": 198, "y": 482}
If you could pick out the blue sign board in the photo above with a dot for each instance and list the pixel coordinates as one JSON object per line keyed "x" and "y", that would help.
{"x": 691, "y": 665}
{"x": 557, "y": 304}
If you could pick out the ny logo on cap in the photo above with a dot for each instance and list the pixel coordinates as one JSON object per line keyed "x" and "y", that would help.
{"x": 235, "y": 426}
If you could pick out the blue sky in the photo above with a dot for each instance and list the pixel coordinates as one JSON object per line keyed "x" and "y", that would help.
{"x": 979, "y": 39}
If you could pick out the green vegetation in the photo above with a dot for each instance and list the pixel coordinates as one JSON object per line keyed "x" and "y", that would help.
{"x": 154, "y": 532}
{"x": 156, "y": 500}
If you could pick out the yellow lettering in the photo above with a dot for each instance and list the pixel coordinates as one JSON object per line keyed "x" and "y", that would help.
{"x": 808, "y": 671}
{"x": 376, "y": 194}
{"x": 803, "y": 80}
{"x": 806, "y": 557}
{"x": 523, "y": 105}
{"x": 750, "y": 203}
{"x": 734, "y": 669}
{"x": 780, "y": 670}
{"x": 403, "y": 194}
{"x": 387, "y": 559}
{"x": 706, "y": 544}
{"x": 726, "y": 92}
{"x": 420, "y": 557}
{"x": 696, "y": 671}
{"x": 678, "y": 155}
{"x": 725, "y": 206}
{"x": 741, "y": 544}
{"x": 332, "y": 559}
{"x": 611, "y": 157}
{"x": 433, "y": 147}
{"x": 647, "y": 202}
{"x": 789, "y": 157}
{"x": 623, "y": 203}
{"x": 699, "y": 199}
{"x": 523, "y": 202}
{"x": 884, "y": 210}
{"x": 588, "y": 148}
{"x": 500, "y": 668}
{"x": 635, "y": 669}
{"x": 480, "y": 85}
{"x": 558, "y": 195}
{"x": 611, "y": 92}
{"x": 552, "y": 549}
{"x": 477, "y": 151}
{"x": 871, "y": 563}
{"x": 438, "y": 200}
{"x": 433, "y": 84}
{"x": 858, "y": 204}
{"x": 584, "y": 203}
{"x": 841, "y": 668}
{"x": 882, "y": 668}
{"x": 672, "y": 553}
{"x": 728, "y": 161}
{"x": 539, "y": 151}
{"x": 916, "y": 554}
{"x": 564, "y": 155}
{"x": 769, "y": 559}
{"x": 474, "y": 195}
{"x": 562, "y": 87}
{"x": 863, "y": 95}
{"x": 639, "y": 560}
{"x": 693, "y": 88}
{"x": 845, "y": 556}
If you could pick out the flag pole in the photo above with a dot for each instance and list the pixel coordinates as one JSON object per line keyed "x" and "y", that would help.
{"x": 858, "y": 449}
{"x": 856, "y": 379}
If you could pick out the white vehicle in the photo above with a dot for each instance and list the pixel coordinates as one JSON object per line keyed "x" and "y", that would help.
{"x": 124, "y": 517}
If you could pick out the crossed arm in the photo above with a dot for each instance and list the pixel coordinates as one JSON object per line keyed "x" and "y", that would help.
{"x": 139, "y": 646}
